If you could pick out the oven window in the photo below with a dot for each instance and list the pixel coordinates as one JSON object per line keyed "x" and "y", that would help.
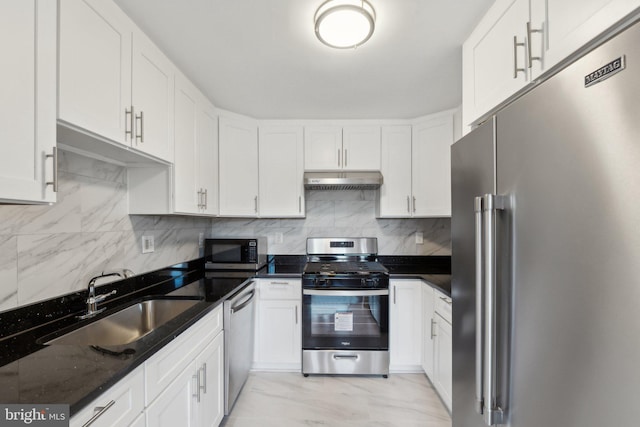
{"x": 328, "y": 320}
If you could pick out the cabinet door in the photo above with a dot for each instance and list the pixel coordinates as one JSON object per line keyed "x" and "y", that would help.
{"x": 178, "y": 404}
{"x": 207, "y": 149}
{"x": 210, "y": 366}
{"x": 278, "y": 335}
{"x": 405, "y": 325}
{"x": 567, "y": 25}
{"x": 238, "y": 167}
{"x": 361, "y": 148}
{"x": 128, "y": 398}
{"x": 187, "y": 196}
{"x": 281, "y": 171}
{"x": 442, "y": 375}
{"x": 431, "y": 167}
{"x": 152, "y": 92}
{"x": 428, "y": 332}
{"x": 323, "y": 148}
{"x": 395, "y": 192}
{"x": 28, "y": 91}
{"x": 95, "y": 67}
{"x": 490, "y": 59}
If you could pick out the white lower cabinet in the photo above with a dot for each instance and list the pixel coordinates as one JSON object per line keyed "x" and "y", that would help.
{"x": 194, "y": 397}
{"x": 278, "y": 344}
{"x": 428, "y": 329}
{"x": 119, "y": 406}
{"x": 181, "y": 385}
{"x": 442, "y": 378}
{"x": 405, "y": 328}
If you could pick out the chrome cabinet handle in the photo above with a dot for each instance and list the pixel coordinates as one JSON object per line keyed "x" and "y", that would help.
{"x": 449, "y": 301}
{"x": 255, "y": 203}
{"x": 516, "y": 70}
{"x": 206, "y": 198}
{"x": 196, "y": 379}
{"x": 54, "y": 156}
{"x": 529, "y": 52}
{"x": 140, "y": 137}
{"x": 299, "y": 204}
{"x": 296, "y": 314}
{"x": 339, "y": 157}
{"x": 433, "y": 331}
{"x": 129, "y": 132}
{"x": 395, "y": 290}
{"x": 203, "y": 385}
{"x": 345, "y": 157}
{"x": 414, "y": 204}
{"x": 493, "y": 413}
{"x": 100, "y": 410}
{"x": 199, "y": 193}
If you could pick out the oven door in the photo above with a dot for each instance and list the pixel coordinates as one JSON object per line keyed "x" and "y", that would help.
{"x": 345, "y": 319}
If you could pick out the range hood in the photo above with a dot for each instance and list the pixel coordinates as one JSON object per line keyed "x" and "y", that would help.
{"x": 342, "y": 180}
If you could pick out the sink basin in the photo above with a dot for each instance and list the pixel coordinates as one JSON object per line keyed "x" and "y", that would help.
{"x": 127, "y": 325}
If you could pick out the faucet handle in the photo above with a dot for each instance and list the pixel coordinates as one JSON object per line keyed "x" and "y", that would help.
{"x": 102, "y": 297}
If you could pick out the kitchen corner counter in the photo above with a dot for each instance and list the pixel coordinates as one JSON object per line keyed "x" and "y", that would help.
{"x": 76, "y": 374}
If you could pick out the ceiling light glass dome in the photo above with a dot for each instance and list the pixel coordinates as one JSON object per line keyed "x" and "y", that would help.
{"x": 344, "y": 24}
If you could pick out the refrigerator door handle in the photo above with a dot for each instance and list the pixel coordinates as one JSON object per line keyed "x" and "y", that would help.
{"x": 492, "y": 412}
{"x": 479, "y": 304}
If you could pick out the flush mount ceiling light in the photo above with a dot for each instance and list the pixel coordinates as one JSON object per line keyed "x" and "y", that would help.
{"x": 345, "y": 24}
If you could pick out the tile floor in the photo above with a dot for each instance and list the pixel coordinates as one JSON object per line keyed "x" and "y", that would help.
{"x": 271, "y": 399}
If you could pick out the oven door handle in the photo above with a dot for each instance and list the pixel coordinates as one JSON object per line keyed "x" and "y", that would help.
{"x": 350, "y": 293}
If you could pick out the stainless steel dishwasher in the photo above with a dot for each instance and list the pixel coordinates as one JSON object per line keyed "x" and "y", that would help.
{"x": 239, "y": 315}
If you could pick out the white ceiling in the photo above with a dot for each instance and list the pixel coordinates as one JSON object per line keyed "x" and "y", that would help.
{"x": 261, "y": 57}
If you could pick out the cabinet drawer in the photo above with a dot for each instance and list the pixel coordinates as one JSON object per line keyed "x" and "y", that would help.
{"x": 163, "y": 367}
{"x": 443, "y": 305}
{"x": 279, "y": 289}
{"x": 128, "y": 402}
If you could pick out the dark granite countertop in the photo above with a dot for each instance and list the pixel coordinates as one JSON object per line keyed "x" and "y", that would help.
{"x": 31, "y": 372}
{"x": 77, "y": 374}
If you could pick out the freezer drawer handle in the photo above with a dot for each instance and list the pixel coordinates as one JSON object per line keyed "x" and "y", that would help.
{"x": 479, "y": 318}
{"x": 492, "y": 412}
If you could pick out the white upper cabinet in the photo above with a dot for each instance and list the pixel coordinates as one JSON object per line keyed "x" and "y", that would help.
{"x": 322, "y": 147}
{"x": 493, "y": 58}
{"x": 113, "y": 82}
{"x": 28, "y": 110}
{"x": 238, "y": 151}
{"x": 361, "y": 148}
{"x": 431, "y": 167}
{"x": 395, "y": 192}
{"x": 196, "y": 151}
{"x": 517, "y": 41}
{"x": 567, "y": 25}
{"x": 281, "y": 171}
{"x": 152, "y": 94}
{"x": 416, "y": 169}
{"x": 351, "y": 148}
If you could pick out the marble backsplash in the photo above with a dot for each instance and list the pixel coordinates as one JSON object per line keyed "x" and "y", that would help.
{"x": 344, "y": 213}
{"x": 47, "y": 251}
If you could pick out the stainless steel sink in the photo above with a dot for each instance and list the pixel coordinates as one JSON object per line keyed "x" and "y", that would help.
{"x": 127, "y": 325}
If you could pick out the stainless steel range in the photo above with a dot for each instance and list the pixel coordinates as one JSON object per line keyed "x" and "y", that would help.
{"x": 345, "y": 310}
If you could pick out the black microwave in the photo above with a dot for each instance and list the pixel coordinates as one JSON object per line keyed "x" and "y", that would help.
{"x": 235, "y": 253}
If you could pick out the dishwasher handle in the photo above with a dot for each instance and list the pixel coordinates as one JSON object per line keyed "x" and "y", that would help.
{"x": 240, "y": 305}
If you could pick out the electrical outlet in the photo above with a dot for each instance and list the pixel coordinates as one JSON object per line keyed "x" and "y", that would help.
{"x": 419, "y": 238}
{"x": 148, "y": 245}
{"x": 201, "y": 240}
{"x": 279, "y": 238}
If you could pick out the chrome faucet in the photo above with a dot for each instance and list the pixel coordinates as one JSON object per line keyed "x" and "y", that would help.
{"x": 93, "y": 300}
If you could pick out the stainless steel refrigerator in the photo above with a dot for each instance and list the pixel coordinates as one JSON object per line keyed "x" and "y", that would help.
{"x": 546, "y": 252}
